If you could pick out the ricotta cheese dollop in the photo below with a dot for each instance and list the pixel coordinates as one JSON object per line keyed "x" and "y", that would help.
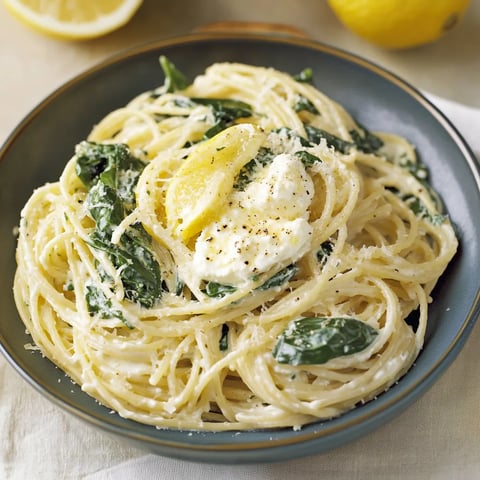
{"x": 263, "y": 226}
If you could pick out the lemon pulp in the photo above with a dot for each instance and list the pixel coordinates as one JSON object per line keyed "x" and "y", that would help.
{"x": 201, "y": 185}
{"x": 74, "y": 19}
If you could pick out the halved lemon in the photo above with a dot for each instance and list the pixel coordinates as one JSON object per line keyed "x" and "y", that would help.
{"x": 199, "y": 189}
{"x": 74, "y": 19}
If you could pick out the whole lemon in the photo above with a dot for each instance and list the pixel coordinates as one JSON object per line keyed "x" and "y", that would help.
{"x": 399, "y": 23}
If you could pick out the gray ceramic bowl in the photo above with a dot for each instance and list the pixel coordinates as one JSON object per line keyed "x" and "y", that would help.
{"x": 37, "y": 150}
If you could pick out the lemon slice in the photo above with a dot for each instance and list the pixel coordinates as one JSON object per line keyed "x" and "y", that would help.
{"x": 199, "y": 188}
{"x": 74, "y": 19}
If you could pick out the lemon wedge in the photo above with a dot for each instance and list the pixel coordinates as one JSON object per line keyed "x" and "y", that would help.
{"x": 399, "y": 23}
{"x": 200, "y": 187}
{"x": 74, "y": 19}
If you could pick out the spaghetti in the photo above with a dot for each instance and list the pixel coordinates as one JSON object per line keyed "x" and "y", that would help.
{"x": 271, "y": 285}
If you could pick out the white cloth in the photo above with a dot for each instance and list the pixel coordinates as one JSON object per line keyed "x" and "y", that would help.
{"x": 436, "y": 438}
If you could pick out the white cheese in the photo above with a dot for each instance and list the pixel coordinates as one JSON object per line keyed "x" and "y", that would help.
{"x": 262, "y": 226}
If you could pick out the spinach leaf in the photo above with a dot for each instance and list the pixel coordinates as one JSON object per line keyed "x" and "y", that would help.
{"x": 223, "y": 342}
{"x": 98, "y": 303}
{"x": 308, "y": 159}
{"x": 418, "y": 207}
{"x": 305, "y": 76}
{"x": 284, "y": 275}
{"x": 226, "y": 108}
{"x": 420, "y": 171}
{"x": 218, "y": 290}
{"x": 174, "y": 78}
{"x": 316, "y": 340}
{"x": 326, "y": 248}
{"x": 421, "y": 210}
{"x": 105, "y": 207}
{"x": 139, "y": 270}
{"x": 367, "y": 144}
{"x": 417, "y": 169}
{"x": 183, "y": 102}
{"x": 303, "y": 104}
{"x": 244, "y": 177}
{"x": 315, "y": 135}
{"x": 111, "y": 164}
{"x": 289, "y": 133}
{"x": 111, "y": 174}
{"x": 225, "y": 111}
{"x": 93, "y": 159}
{"x": 365, "y": 140}
{"x": 179, "y": 286}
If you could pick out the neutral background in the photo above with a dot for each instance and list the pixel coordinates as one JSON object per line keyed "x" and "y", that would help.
{"x": 32, "y": 66}
{"x": 437, "y": 438}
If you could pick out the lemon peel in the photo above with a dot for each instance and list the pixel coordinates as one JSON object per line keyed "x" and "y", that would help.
{"x": 399, "y": 24}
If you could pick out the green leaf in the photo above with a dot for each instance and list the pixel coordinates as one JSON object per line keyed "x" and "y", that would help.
{"x": 281, "y": 277}
{"x": 307, "y": 158}
{"x": 226, "y": 108}
{"x": 326, "y": 248}
{"x": 99, "y": 304}
{"x": 420, "y": 171}
{"x": 365, "y": 140}
{"x": 179, "y": 286}
{"x": 183, "y": 102}
{"x": 141, "y": 276}
{"x": 111, "y": 164}
{"x": 92, "y": 159}
{"x": 303, "y": 104}
{"x": 305, "y": 76}
{"x": 218, "y": 290}
{"x": 362, "y": 139}
{"x": 139, "y": 270}
{"x": 316, "y": 340}
{"x": 219, "y": 126}
{"x": 417, "y": 169}
{"x": 111, "y": 174}
{"x": 244, "y": 177}
{"x": 315, "y": 135}
{"x": 105, "y": 207}
{"x": 421, "y": 210}
{"x": 223, "y": 342}
{"x": 225, "y": 111}
{"x": 174, "y": 78}
{"x": 289, "y": 133}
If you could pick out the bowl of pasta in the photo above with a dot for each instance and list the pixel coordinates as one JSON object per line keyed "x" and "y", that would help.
{"x": 242, "y": 248}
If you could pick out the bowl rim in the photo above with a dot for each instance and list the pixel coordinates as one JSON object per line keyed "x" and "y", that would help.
{"x": 404, "y": 396}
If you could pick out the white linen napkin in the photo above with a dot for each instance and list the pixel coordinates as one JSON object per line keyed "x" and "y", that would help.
{"x": 436, "y": 438}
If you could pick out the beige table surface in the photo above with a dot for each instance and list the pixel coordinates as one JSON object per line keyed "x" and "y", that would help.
{"x": 32, "y": 66}
{"x": 423, "y": 443}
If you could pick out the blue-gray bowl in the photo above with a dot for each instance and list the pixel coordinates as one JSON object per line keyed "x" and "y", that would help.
{"x": 38, "y": 149}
